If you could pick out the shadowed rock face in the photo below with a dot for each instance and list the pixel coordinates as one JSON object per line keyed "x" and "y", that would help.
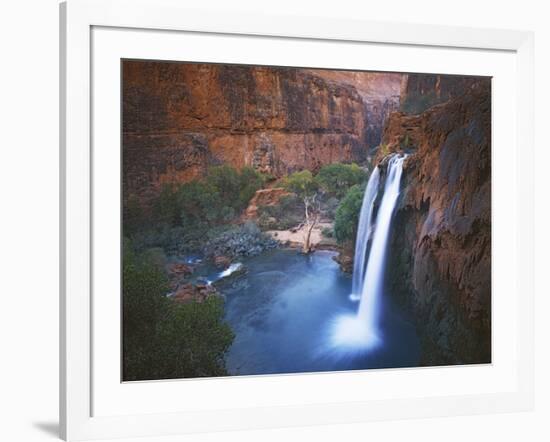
{"x": 179, "y": 119}
{"x": 440, "y": 259}
{"x": 378, "y": 111}
{"x": 421, "y": 91}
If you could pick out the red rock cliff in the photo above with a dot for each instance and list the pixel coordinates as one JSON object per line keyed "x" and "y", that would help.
{"x": 440, "y": 259}
{"x": 179, "y": 119}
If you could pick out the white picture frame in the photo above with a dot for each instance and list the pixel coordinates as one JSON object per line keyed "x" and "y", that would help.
{"x": 78, "y": 420}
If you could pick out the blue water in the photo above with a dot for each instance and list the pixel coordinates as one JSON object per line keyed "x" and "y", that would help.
{"x": 283, "y": 310}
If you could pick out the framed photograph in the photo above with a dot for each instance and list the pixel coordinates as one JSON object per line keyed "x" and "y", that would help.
{"x": 281, "y": 221}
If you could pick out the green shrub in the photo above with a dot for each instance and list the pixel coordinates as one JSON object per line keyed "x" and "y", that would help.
{"x": 225, "y": 182}
{"x": 133, "y": 217}
{"x": 347, "y": 215}
{"x": 335, "y": 179}
{"x": 162, "y": 339}
{"x": 234, "y": 188}
{"x": 200, "y": 205}
{"x": 327, "y": 232}
{"x": 165, "y": 206}
{"x": 194, "y": 340}
{"x": 330, "y": 206}
{"x": 249, "y": 182}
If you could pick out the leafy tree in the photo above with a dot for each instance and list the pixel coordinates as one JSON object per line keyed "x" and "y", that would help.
{"x": 306, "y": 188}
{"x": 143, "y": 289}
{"x": 219, "y": 198}
{"x": 195, "y": 206}
{"x": 249, "y": 182}
{"x": 335, "y": 179}
{"x": 194, "y": 340}
{"x": 132, "y": 215}
{"x": 200, "y": 205}
{"x": 226, "y": 182}
{"x": 235, "y": 188}
{"x": 347, "y": 215}
{"x": 165, "y": 207}
{"x": 162, "y": 339}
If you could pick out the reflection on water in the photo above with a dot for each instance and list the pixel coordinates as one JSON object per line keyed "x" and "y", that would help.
{"x": 282, "y": 311}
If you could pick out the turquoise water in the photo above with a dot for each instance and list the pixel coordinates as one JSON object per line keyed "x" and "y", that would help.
{"x": 283, "y": 312}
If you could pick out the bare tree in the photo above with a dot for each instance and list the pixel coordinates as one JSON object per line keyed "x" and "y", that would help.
{"x": 306, "y": 188}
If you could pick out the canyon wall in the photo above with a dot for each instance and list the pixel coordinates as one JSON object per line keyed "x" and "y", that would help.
{"x": 380, "y": 92}
{"x": 378, "y": 111}
{"x": 179, "y": 119}
{"x": 421, "y": 91}
{"x": 440, "y": 257}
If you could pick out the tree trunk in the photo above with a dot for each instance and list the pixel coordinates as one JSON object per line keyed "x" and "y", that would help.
{"x": 310, "y": 222}
{"x": 307, "y": 240}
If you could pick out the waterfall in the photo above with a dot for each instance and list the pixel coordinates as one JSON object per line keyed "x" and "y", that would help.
{"x": 364, "y": 231}
{"x": 360, "y": 331}
{"x": 374, "y": 275}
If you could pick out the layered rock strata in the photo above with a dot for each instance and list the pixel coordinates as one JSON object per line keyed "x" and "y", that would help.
{"x": 181, "y": 118}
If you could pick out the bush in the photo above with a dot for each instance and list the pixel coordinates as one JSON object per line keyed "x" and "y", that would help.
{"x": 195, "y": 207}
{"x": 162, "y": 339}
{"x": 165, "y": 207}
{"x": 249, "y": 182}
{"x": 347, "y": 215}
{"x": 201, "y": 205}
{"x": 143, "y": 295}
{"x": 132, "y": 216}
{"x": 330, "y": 207}
{"x": 235, "y": 189}
{"x": 335, "y": 179}
{"x": 195, "y": 341}
{"x": 327, "y": 232}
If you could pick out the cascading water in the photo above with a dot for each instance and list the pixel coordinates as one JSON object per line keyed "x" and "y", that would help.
{"x": 364, "y": 231}
{"x": 374, "y": 275}
{"x": 360, "y": 331}
{"x": 228, "y": 271}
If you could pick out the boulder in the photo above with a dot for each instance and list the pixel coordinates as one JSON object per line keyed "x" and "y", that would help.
{"x": 345, "y": 260}
{"x": 198, "y": 293}
{"x": 180, "y": 269}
